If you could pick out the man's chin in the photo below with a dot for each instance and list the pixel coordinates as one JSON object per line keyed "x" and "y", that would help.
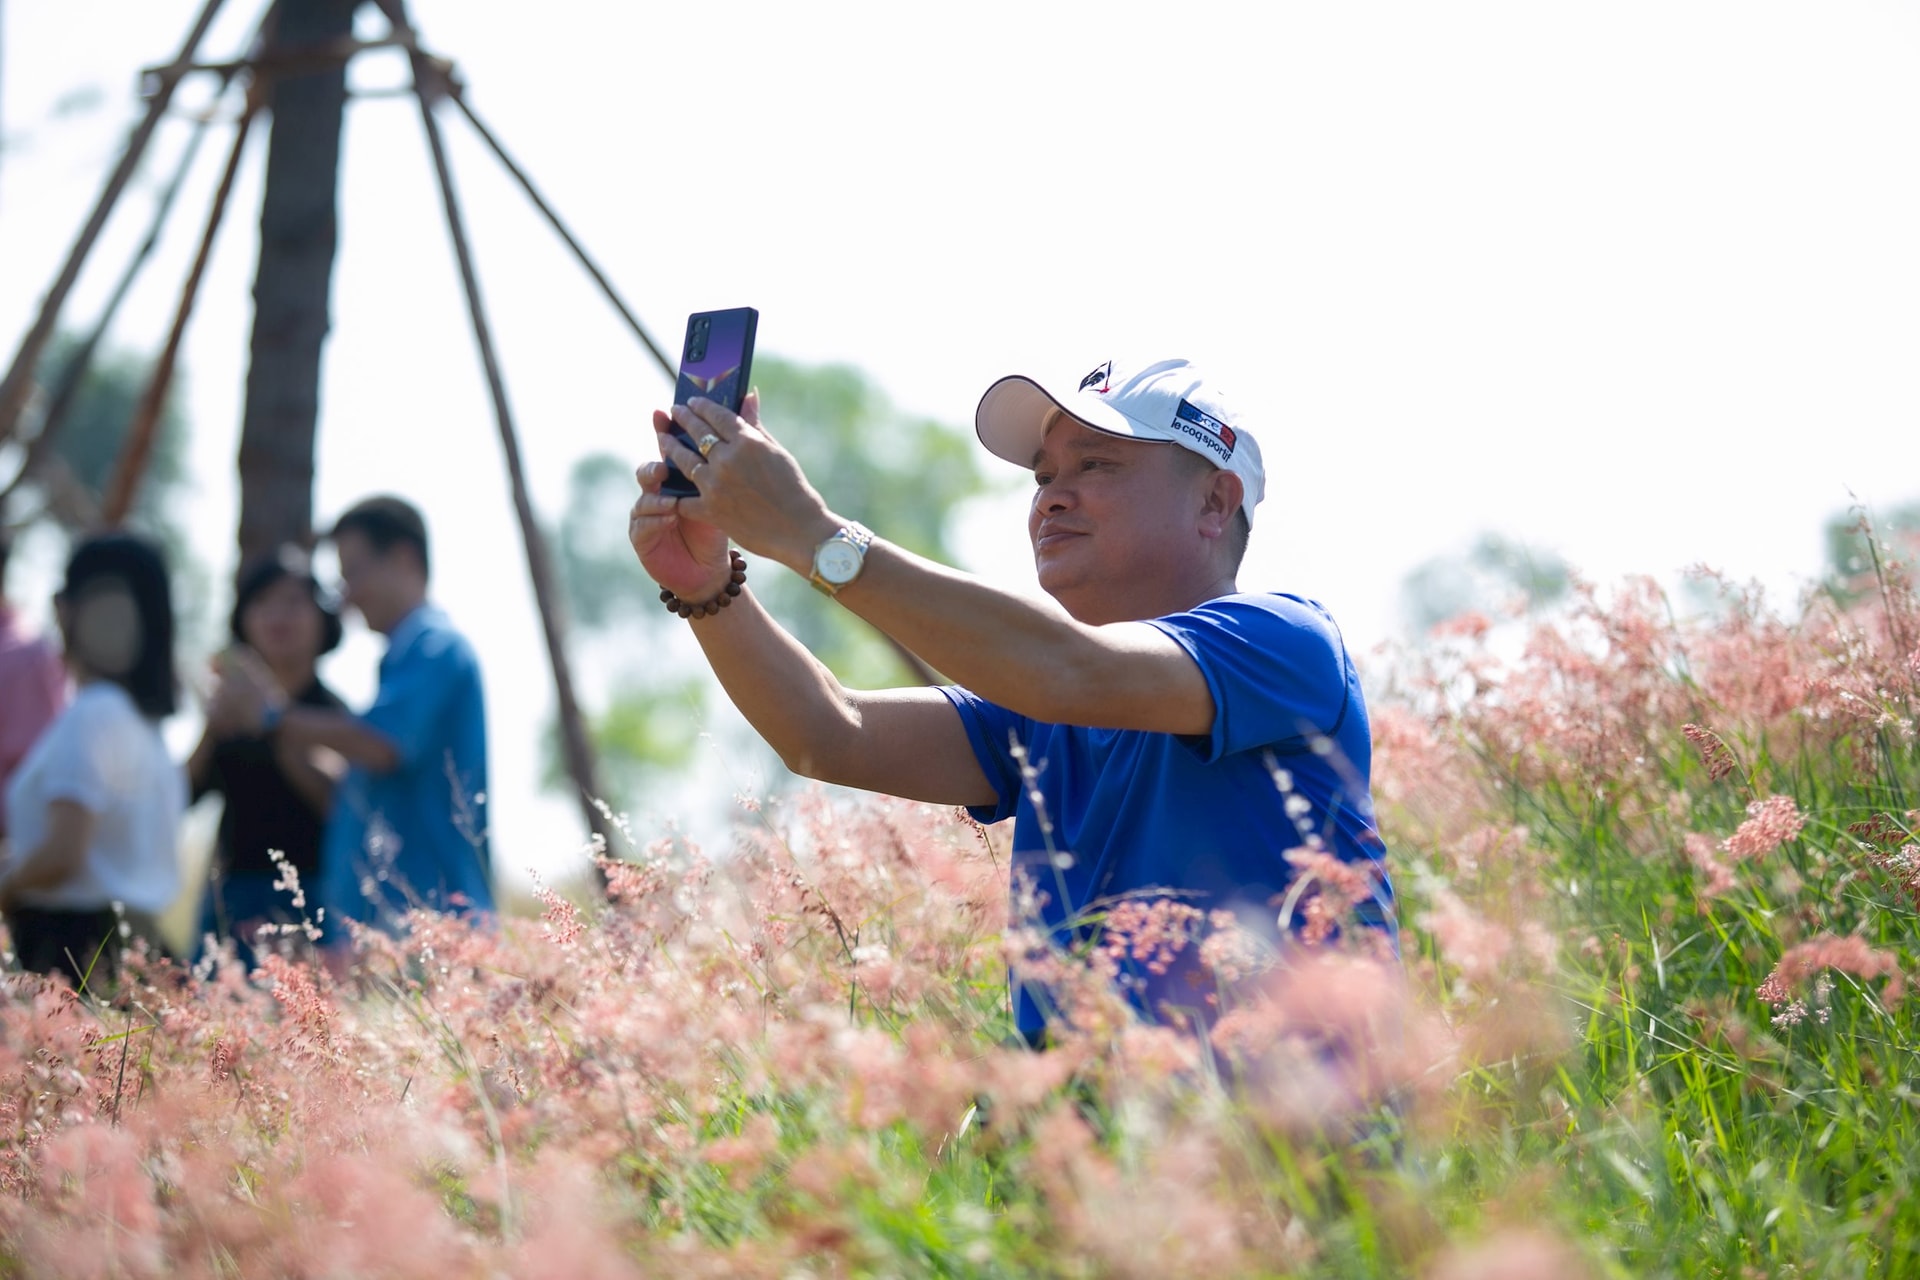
{"x": 1066, "y": 588}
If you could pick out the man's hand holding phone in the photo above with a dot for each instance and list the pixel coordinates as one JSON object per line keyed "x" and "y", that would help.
{"x": 748, "y": 486}
{"x": 721, "y": 475}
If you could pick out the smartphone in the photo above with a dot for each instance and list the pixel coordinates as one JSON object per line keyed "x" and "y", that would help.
{"x": 716, "y": 362}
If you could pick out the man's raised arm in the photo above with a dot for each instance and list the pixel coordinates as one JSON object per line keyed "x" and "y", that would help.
{"x": 903, "y": 742}
{"x": 1025, "y": 654}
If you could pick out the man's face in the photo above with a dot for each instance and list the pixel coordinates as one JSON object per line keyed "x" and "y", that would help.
{"x": 379, "y": 584}
{"x": 1112, "y": 521}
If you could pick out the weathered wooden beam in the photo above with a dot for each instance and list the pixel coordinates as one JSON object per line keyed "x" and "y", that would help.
{"x": 18, "y": 384}
{"x": 137, "y": 447}
{"x": 577, "y": 747}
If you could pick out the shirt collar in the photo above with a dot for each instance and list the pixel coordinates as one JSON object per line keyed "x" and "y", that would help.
{"x": 424, "y": 615}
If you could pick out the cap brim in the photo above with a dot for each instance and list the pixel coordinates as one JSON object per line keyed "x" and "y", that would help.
{"x": 1011, "y": 418}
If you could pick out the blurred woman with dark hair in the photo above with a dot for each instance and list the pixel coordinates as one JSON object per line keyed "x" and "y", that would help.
{"x": 277, "y": 794}
{"x": 95, "y": 807}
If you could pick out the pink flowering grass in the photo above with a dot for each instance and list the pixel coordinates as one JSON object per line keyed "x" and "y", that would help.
{"x": 1658, "y": 885}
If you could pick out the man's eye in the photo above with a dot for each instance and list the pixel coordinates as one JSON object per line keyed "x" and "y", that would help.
{"x": 1042, "y": 479}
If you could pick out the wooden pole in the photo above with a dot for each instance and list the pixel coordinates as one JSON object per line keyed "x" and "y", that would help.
{"x": 137, "y": 448}
{"x": 429, "y": 84}
{"x": 660, "y": 357}
{"x": 19, "y": 380}
{"x": 921, "y": 672}
{"x": 73, "y": 373}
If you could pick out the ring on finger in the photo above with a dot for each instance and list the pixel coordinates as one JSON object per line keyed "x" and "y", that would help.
{"x": 706, "y": 443}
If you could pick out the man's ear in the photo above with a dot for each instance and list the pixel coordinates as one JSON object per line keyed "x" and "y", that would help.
{"x": 1223, "y": 495}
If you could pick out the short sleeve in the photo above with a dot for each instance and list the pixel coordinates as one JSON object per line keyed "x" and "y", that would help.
{"x": 991, "y": 732}
{"x": 416, "y": 688}
{"x": 1275, "y": 664}
{"x": 91, "y": 758}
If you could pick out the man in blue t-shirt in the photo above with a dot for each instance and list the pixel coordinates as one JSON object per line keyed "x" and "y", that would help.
{"x": 409, "y": 821}
{"x": 1151, "y": 728}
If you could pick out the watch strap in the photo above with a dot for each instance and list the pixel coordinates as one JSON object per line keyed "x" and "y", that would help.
{"x": 855, "y": 535}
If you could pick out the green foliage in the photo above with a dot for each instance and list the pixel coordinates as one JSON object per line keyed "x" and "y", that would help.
{"x": 88, "y": 443}
{"x": 1859, "y": 550}
{"x": 1597, "y": 1058}
{"x": 1492, "y": 575}
{"x": 902, "y": 476}
{"x": 1691, "y": 1135}
{"x": 642, "y": 723}
{"x": 597, "y": 570}
{"x": 85, "y": 452}
{"x": 644, "y": 730}
{"x": 1712, "y": 1111}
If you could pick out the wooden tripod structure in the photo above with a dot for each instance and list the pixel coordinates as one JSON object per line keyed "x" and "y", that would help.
{"x": 434, "y": 83}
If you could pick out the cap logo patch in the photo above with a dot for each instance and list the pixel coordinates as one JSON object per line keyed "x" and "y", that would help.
{"x": 1100, "y": 381}
{"x": 1214, "y": 435}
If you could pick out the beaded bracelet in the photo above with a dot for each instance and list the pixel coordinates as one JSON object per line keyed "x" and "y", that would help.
{"x": 735, "y": 581}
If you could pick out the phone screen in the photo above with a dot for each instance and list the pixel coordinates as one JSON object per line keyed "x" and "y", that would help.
{"x": 716, "y": 361}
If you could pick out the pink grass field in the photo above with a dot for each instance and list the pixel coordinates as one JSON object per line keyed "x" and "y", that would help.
{"x": 1658, "y": 885}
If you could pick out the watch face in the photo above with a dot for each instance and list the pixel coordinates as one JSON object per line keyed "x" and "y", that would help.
{"x": 838, "y": 562}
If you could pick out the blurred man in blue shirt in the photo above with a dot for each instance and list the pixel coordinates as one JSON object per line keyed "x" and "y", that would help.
{"x": 409, "y": 823}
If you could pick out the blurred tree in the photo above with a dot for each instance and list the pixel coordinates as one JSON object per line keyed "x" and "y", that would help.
{"x": 1855, "y": 535}
{"x": 1493, "y": 574}
{"x": 646, "y": 730}
{"x": 597, "y": 567}
{"x": 299, "y": 229}
{"x": 87, "y": 445}
{"x": 900, "y": 474}
{"x": 64, "y": 490}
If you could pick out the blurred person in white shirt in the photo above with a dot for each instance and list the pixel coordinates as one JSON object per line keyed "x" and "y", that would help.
{"x": 95, "y": 807}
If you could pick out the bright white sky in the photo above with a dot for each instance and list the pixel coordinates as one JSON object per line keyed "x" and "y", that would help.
{"x": 1637, "y": 283}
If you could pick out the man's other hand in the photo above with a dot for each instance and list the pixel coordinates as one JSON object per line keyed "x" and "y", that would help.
{"x": 686, "y": 556}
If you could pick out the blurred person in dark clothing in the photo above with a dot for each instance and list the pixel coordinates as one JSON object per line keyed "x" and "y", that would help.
{"x": 277, "y": 793}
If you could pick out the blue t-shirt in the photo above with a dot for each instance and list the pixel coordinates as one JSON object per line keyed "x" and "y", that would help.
{"x": 1202, "y": 816}
{"x": 416, "y": 836}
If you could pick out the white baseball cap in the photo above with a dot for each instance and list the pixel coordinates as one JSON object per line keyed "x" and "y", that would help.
{"x": 1166, "y": 401}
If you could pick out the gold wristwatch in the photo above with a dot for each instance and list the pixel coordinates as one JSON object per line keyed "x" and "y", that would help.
{"x": 839, "y": 559}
